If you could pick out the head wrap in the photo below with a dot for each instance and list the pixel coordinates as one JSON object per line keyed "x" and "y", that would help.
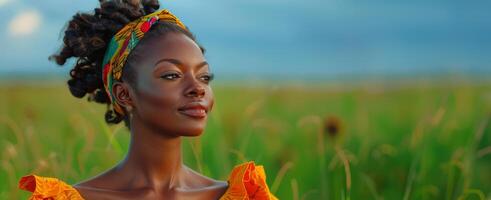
{"x": 121, "y": 45}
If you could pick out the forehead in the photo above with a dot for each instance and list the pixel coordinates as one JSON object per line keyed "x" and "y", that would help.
{"x": 173, "y": 46}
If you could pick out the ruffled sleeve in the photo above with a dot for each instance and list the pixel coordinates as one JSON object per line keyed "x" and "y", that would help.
{"x": 248, "y": 182}
{"x": 45, "y": 188}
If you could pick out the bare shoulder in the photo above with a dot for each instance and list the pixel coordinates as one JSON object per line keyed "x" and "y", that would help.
{"x": 99, "y": 181}
{"x": 208, "y": 187}
{"x": 202, "y": 181}
{"x": 100, "y": 187}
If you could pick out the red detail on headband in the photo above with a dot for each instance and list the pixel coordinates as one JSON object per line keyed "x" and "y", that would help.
{"x": 145, "y": 27}
{"x": 153, "y": 20}
{"x": 104, "y": 73}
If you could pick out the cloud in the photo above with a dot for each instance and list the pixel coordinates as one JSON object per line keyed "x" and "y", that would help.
{"x": 25, "y": 23}
{"x": 4, "y": 2}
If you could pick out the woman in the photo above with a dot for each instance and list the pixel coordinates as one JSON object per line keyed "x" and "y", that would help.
{"x": 146, "y": 65}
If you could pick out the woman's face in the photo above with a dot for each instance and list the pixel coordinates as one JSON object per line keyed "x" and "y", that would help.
{"x": 172, "y": 94}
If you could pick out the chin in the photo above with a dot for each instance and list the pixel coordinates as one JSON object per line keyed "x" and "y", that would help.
{"x": 192, "y": 129}
{"x": 193, "y": 133}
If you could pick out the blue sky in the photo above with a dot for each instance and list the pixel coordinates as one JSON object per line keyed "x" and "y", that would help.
{"x": 268, "y": 38}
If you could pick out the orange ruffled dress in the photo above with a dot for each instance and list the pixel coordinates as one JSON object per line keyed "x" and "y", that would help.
{"x": 246, "y": 182}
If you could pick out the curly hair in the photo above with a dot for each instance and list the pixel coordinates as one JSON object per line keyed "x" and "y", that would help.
{"x": 86, "y": 38}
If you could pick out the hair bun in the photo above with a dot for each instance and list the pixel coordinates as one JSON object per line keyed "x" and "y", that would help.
{"x": 150, "y": 6}
{"x": 86, "y": 38}
{"x": 76, "y": 88}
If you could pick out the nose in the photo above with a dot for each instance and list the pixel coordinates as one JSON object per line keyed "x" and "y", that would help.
{"x": 196, "y": 89}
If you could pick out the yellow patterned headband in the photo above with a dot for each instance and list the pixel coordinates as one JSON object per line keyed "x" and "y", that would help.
{"x": 123, "y": 42}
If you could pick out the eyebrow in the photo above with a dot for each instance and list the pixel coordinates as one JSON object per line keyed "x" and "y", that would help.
{"x": 179, "y": 63}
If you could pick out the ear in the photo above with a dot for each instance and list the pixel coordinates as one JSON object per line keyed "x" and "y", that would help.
{"x": 121, "y": 92}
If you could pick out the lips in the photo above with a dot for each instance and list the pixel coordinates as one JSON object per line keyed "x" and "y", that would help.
{"x": 194, "y": 110}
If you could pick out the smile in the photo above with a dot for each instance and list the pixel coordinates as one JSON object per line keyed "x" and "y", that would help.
{"x": 194, "y": 112}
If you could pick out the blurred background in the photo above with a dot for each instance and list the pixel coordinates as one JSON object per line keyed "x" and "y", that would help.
{"x": 337, "y": 99}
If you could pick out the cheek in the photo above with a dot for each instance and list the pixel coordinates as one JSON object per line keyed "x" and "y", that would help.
{"x": 153, "y": 95}
{"x": 158, "y": 104}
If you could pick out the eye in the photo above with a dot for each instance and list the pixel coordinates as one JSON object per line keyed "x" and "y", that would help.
{"x": 171, "y": 76}
{"x": 207, "y": 77}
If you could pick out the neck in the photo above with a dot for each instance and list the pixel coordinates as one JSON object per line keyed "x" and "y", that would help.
{"x": 154, "y": 158}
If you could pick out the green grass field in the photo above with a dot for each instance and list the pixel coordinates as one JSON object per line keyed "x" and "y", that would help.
{"x": 366, "y": 140}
